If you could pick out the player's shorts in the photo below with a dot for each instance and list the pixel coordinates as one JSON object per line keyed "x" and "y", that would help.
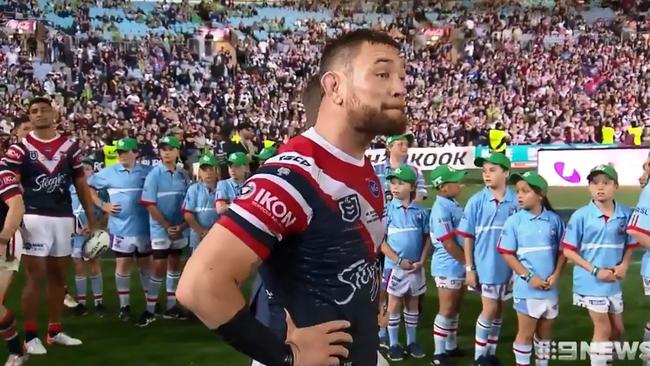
{"x": 449, "y": 283}
{"x": 600, "y": 304}
{"x": 14, "y": 251}
{"x": 47, "y": 236}
{"x": 130, "y": 244}
{"x": 78, "y": 242}
{"x": 537, "y": 308}
{"x": 164, "y": 244}
{"x": 400, "y": 282}
{"x": 646, "y": 285}
{"x": 381, "y": 361}
{"x": 501, "y": 292}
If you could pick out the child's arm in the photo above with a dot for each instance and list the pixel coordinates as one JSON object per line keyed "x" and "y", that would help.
{"x": 426, "y": 252}
{"x": 390, "y": 254}
{"x": 454, "y": 249}
{"x": 571, "y": 245}
{"x": 620, "y": 270}
{"x": 466, "y": 229}
{"x": 507, "y": 247}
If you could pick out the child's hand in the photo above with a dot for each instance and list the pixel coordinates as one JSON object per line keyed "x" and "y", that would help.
{"x": 406, "y": 265}
{"x": 620, "y": 271}
{"x": 606, "y": 274}
{"x": 471, "y": 279}
{"x": 552, "y": 280}
{"x": 537, "y": 282}
{"x": 416, "y": 266}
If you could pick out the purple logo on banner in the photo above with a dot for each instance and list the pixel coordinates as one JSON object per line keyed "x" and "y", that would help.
{"x": 573, "y": 178}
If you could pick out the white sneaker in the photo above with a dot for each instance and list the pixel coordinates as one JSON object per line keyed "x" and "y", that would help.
{"x": 35, "y": 347}
{"x": 69, "y": 301}
{"x": 16, "y": 360}
{"x": 63, "y": 339}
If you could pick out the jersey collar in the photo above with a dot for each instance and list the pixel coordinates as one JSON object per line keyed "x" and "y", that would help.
{"x": 618, "y": 210}
{"x": 544, "y": 215}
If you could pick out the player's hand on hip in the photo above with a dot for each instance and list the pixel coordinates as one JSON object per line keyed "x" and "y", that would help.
{"x": 471, "y": 279}
{"x": 111, "y": 208}
{"x": 318, "y": 345}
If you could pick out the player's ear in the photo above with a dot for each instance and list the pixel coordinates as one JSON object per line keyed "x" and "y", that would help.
{"x": 332, "y": 84}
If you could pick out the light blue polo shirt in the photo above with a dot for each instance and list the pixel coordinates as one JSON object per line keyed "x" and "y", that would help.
{"x": 125, "y": 189}
{"x": 483, "y": 220}
{"x": 445, "y": 218}
{"x": 383, "y": 170}
{"x": 535, "y": 241}
{"x": 81, "y": 220}
{"x": 228, "y": 190}
{"x": 640, "y": 222}
{"x": 406, "y": 231}
{"x": 165, "y": 189}
{"x": 601, "y": 241}
{"x": 199, "y": 201}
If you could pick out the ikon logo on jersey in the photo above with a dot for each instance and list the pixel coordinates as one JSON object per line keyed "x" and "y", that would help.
{"x": 271, "y": 204}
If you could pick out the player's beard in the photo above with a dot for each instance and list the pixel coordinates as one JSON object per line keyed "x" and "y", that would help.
{"x": 372, "y": 120}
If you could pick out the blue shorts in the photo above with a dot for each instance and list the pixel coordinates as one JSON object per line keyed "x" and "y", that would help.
{"x": 78, "y": 242}
{"x": 266, "y": 310}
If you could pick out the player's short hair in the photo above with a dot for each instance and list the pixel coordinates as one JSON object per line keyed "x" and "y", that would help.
{"x": 39, "y": 99}
{"x": 312, "y": 96}
{"x": 345, "y": 47}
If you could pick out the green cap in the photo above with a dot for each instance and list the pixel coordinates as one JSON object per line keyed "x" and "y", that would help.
{"x": 404, "y": 173}
{"x": 532, "y": 178}
{"x": 606, "y": 169}
{"x": 445, "y": 174}
{"x": 267, "y": 153}
{"x": 238, "y": 158}
{"x": 170, "y": 141}
{"x": 126, "y": 144}
{"x": 494, "y": 158}
{"x": 408, "y": 136}
{"x": 207, "y": 159}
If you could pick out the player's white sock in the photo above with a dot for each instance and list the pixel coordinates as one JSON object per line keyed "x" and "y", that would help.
{"x": 144, "y": 281}
{"x": 411, "y": 319}
{"x": 493, "y": 338}
{"x": 522, "y": 353}
{"x": 97, "y": 285}
{"x": 172, "y": 282}
{"x": 601, "y": 353}
{"x": 483, "y": 327}
{"x": 81, "y": 289}
{"x": 393, "y": 328}
{"x": 452, "y": 343}
{"x": 152, "y": 293}
{"x": 542, "y": 352}
{"x": 441, "y": 329}
{"x": 123, "y": 285}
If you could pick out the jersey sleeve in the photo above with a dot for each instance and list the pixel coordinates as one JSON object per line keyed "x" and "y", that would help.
{"x": 630, "y": 242}
{"x": 441, "y": 224}
{"x": 189, "y": 203}
{"x": 149, "y": 190}
{"x": 9, "y": 185}
{"x": 425, "y": 221}
{"x": 76, "y": 162}
{"x": 420, "y": 185}
{"x": 559, "y": 230}
{"x": 640, "y": 219}
{"x": 573, "y": 233}
{"x": 467, "y": 225}
{"x": 507, "y": 243}
{"x": 99, "y": 181}
{"x": 221, "y": 195}
{"x": 271, "y": 207}
{"x": 14, "y": 158}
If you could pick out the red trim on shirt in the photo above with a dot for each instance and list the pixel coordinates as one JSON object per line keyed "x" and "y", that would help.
{"x": 505, "y": 251}
{"x": 259, "y": 248}
{"x": 639, "y": 230}
{"x": 146, "y": 203}
{"x": 185, "y": 210}
{"x": 633, "y": 245}
{"x": 446, "y": 237}
{"x": 568, "y": 246}
{"x": 464, "y": 234}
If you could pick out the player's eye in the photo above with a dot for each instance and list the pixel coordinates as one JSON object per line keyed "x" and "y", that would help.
{"x": 383, "y": 75}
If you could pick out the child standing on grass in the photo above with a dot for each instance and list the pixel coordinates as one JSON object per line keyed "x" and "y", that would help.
{"x": 199, "y": 210}
{"x": 487, "y": 273}
{"x": 406, "y": 249}
{"x": 596, "y": 241}
{"x": 530, "y": 245}
{"x": 447, "y": 262}
{"x": 639, "y": 229}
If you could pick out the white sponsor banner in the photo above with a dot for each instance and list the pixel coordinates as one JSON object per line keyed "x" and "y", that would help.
{"x": 570, "y": 168}
{"x": 427, "y": 158}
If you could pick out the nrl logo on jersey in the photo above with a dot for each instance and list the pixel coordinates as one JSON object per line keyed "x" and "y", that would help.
{"x": 350, "y": 208}
{"x": 33, "y": 155}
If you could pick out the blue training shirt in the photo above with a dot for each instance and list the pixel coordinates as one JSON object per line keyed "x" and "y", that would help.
{"x": 601, "y": 241}
{"x": 124, "y": 188}
{"x": 166, "y": 189}
{"x": 535, "y": 241}
{"x": 445, "y": 218}
{"x": 81, "y": 220}
{"x": 640, "y": 222}
{"x": 199, "y": 201}
{"x": 228, "y": 190}
{"x": 483, "y": 220}
{"x": 406, "y": 231}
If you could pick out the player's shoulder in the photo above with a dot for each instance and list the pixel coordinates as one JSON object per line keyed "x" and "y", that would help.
{"x": 194, "y": 187}
{"x": 477, "y": 198}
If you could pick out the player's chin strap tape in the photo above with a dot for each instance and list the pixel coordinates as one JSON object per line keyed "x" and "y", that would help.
{"x": 250, "y": 337}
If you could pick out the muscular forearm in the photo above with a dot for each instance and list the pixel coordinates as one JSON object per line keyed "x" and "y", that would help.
{"x": 13, "y": 219}
{"x": 83, "y": 191}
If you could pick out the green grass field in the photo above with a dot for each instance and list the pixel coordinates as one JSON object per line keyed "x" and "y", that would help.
{"x": 108, "y": 341}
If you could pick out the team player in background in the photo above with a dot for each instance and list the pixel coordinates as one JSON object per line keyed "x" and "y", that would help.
{"x": 406, "y": 250}
{"x": 596, "y": 241}
{"x": 128, "y": 221}
{"x": 12, "y": 209}
{"x": 86, "y": 269}
{"x": 530, "y": 245}
{"x": 487, "y": 273}
{"x": 47, "y": 164}
{"x": 229, "y": 189}
{"x": 163, "y": 195}
{"x": 198, "y": 208}
{"x": 639, "y": 229}
{"x": 447, "y": 262}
